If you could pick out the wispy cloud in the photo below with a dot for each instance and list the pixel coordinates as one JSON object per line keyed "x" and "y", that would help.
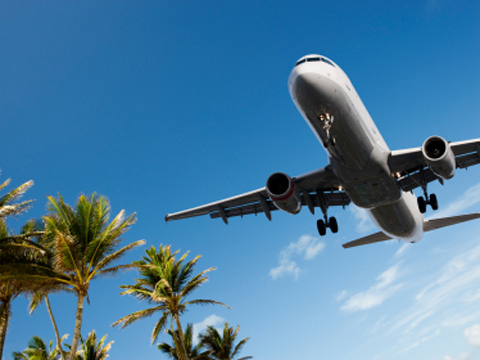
{"x": 403, "y": 249}
{"x": 365, "y": 224}
{"x": 306, "y": 247}
{"x": 198, "y": 328}
{"x": 452, "y": 282}
{"x": 383, "y": 288}
{"x": 468, "y": 199}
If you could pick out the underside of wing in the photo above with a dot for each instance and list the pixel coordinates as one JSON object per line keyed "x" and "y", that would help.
{"x": 412, "y": 170}
{"x": 319, "y": 188}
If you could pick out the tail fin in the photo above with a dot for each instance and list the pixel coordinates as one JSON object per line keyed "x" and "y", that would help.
{"x": 428, "y": 225}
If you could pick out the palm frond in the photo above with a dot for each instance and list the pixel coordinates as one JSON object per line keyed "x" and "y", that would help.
{"x": 129, "y": 319}
{"x": 112, "y": 257}
{"x": 159, "y": 326}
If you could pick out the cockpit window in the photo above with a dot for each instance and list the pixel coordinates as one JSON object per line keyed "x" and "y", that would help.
{"x": 328, "y": 62}
{"x": 312, "y": 59}
{"x": 300, "y": 62}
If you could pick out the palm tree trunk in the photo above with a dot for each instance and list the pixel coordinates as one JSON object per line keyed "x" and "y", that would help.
{"x": 183, "y": 350}
{"x": 78, "y": 327}
{"x": 4, "y": 318}
{"x": 55, "y": 328}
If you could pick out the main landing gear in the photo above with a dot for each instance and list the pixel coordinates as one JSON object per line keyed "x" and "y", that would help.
{"x": 323, "y": 224}
{"x": 423, "y": 201}
{"x": 331, "y": 223}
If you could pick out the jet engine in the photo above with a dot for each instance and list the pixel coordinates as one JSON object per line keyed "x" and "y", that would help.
{"x": 439, "y": 157}
{"x": 281, "y": 190}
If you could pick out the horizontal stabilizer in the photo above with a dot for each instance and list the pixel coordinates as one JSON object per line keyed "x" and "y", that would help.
{"x": 434, "y": 224}
{"x": 428, "y": 225}
{"x": 370, "y": 239}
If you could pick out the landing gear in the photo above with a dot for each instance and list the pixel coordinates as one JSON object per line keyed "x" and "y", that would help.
{"x": 427, "y": 200}
{"x": 322, "y": 226}
{"x": 327, "y": 121}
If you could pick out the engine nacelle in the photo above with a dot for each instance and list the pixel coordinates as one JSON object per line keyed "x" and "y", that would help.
{"x": 439, "y": 157}
{"x": 282, "y": 192}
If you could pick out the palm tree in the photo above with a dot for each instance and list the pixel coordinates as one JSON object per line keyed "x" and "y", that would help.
{"x": 37, "y": 350}
{"x": 15, "y": 251}
{"x": 223, "y": 347}
{"x": 193, "y": 352}
{"x": 9, "y": 206}
{"x": 167, "y": 282}
{"x": 92, "y": 349}
{"x": 83, "y": 245}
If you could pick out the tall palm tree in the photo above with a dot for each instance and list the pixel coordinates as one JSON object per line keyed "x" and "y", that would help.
{"x": 93, "y": 349}
{"x": 167, "y": 282}
{"x": 37, "y": 350}
{"x": 223, "y": 346}
{"x": 193, "y": 352}
{"x": 83, "y": 245}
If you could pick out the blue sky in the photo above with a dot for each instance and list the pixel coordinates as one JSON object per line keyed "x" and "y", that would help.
{"x": 163, "y": 106}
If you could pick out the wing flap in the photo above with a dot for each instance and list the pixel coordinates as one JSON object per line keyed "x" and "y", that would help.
{"x": 335, "y": 198}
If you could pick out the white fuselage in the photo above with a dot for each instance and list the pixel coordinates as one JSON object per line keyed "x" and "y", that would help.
{"x": 357, "y": 152}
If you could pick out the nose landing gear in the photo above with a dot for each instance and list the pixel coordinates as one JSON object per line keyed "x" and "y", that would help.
{"x": 327, "y": 121}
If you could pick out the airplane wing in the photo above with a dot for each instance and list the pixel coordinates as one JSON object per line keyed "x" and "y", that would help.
{"x": 318, "y": 188}
{"x": 413, "y": 170}
{"x": 428, "y": 225}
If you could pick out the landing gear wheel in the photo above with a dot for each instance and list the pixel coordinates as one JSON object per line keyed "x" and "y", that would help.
{"x": 433, "y": 202}
{"x": 422, "y": 205}
{"x": 322, "y": 229}
{"x": 332, "y": 223}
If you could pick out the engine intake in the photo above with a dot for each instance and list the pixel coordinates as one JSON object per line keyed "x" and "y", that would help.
{"x": 439, "y": 157}
{"x": 281, "y": 190}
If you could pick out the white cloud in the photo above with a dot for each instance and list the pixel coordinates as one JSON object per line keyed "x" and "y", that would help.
{"x": 472, "y": 334}
{"x": 468, "y": 199}
{"x": 462, "y": 356}
{"x": 365, "y": 224}
{"x": 376, "y": 294}
{"x": 200, "y": 327}
{"x": 306, "y": 247}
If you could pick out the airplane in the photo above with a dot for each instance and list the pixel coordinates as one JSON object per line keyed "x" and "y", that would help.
{"x": 362, "y": 169}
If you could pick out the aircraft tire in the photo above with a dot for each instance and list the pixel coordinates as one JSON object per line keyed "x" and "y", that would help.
{"x": 433, "y": 202}
{"x": 422, "y": 205}
{"x": 332, "y": 223}
{"x": 322, "y": 229}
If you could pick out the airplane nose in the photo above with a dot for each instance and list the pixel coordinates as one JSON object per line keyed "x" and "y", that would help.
{"x": 304, "y": 83}
{"x": 310, "y": 88}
